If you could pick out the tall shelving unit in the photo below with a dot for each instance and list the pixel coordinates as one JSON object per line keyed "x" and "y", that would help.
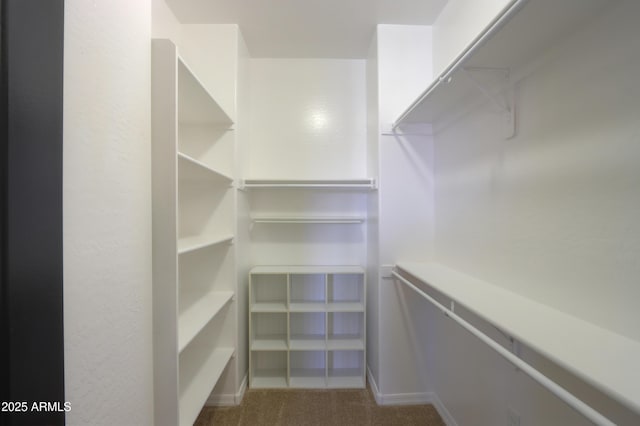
{"x": 193, "y": 231}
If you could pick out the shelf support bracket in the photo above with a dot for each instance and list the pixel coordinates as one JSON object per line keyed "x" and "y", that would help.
{"x": 506, "y": 105}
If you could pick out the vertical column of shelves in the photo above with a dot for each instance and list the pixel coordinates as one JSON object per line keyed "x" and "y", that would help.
{"x": 193, "y": 224}
{"x": 308, "y": 330}
{"x": 268, "y": 330}
{"x": 346, "y": 330}
{"x": 322, "y": 312}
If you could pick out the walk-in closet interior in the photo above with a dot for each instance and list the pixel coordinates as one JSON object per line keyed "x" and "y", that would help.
{"x": 437, "y": 200}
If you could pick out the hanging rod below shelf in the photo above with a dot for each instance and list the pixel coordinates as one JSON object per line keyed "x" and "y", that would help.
{"x": 571, "y": 400}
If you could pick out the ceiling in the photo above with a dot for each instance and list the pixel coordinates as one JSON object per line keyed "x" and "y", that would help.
{"x": 307, "y": 28}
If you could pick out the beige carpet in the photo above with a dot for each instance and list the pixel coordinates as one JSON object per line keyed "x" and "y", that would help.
{"x": 316, "y": 407}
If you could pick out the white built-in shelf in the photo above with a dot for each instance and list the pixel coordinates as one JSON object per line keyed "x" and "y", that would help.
{"x": 307, "y": 307}
{"x": 191, "y": 169}
{"x": 521, "y": 34}
{"x": 188, "y": 244}
{"x": 305, "y": 220}
{"x": 345, "y": 307}
{"x": 367, "y": 184}
{"x": 269, "y": 307}
{"x": 195, "y": 103}
{"x": 194, "y": 394}
{"x": 307, "y": 269}
{"x": 277, "y": 342}
{"x": 193, "y": 307}
{"x": 198, "y": 315}
{"x": 347, "y": 378}
{"x": 270, "y": 379}
{"x": 308, "y": 342}
{"x": 302, "y": 319}
{"x": 606, "y": 360}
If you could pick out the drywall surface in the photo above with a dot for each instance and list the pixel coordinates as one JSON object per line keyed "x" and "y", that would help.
{"x": 212, "y": 52}
{"x": 405, "y": 206}
{"x": 107, "y": 213}
{"x": 308, "y": 119}
{"x": 164, "y": 23}
{"x": 457, "y": 25}
{"x": 551, "y": 214}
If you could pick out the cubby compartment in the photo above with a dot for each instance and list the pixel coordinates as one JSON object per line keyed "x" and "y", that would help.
{"x": 307, "y": 292}
{"x": 345, "y": 331}
{"x": 345, "y": 292}
{"x": 268, "y": 292}
{"x": 307, "y": 330}
{"x": 345, "y": 369}
{"x": 307, "y": 369}
{"x": 268, "y": 369}
{"x": 268, "y": 331}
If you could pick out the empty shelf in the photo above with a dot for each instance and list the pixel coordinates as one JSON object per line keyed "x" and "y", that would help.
{"x": 269, "y": 307}
{"x": 198, "y": 315}
{"x": 305, "y": 269}
{"x": 269, "y": 343}
{"x": 191, "y": 169}
{"x": 188, "y": 244}
{"x": 195, "y": 103}
{"x": 193, "y": 395}
{"x": 308, "y": 219}
{"x": 602, "y": 358}
{"x": 310, "y": 183}
{"x": 523, "y": 32}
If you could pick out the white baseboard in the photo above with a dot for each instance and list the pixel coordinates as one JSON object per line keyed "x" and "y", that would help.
{"x": 225, "y": 400}
{"x": 447, "y": 418}
{"x": 411, "y": 399}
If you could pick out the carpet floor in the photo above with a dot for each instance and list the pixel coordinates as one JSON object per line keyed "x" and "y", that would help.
{"x": 316, "y": 408}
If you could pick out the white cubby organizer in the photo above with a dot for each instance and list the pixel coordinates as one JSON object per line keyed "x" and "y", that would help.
{"x": 307, "y": 327}
{"x": 193, "y": 229}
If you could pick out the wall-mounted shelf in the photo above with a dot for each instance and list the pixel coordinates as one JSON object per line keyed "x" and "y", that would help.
{"x": 187, "y": 244}
{"x": 369, "y": 184}
{"x": 604, "y": 359}
{"x": 203, "y": 375}
{"x": 510, "y": 43}
{"x": 191, "y": 169}
{"x": 308, "y": 219}
{"x": 195, "y": 103}
{"x": 193, "y": 319}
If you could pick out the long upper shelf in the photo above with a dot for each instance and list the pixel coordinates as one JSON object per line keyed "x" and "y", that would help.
{"x": 311, "y": 183}
{"x": 195, "y": 103}
{"x": 520, "y": 34}
{"x": 606, "y": 360}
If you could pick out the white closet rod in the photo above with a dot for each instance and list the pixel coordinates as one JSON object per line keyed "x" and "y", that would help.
{"x": 459, "y": 61}
{"x": 543, "y": 380}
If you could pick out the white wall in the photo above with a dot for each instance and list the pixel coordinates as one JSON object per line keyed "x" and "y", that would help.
{"x": 405, "y": 197}
{"x": 308, "y": 119}
{"x": 107, "y": 213}
{"x": 551, "y": 214}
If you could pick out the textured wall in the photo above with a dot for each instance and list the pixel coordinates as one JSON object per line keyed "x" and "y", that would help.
{"x": 107, "y": 212}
